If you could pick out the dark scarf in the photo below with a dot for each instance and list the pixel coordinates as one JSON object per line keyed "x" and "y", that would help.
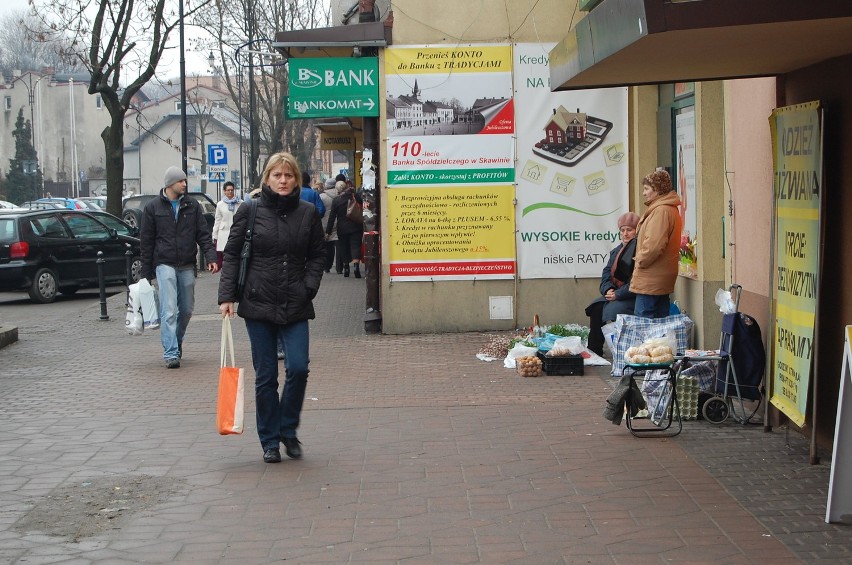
{"x": 622, "y": 267}
{"x": 280, "y": 202}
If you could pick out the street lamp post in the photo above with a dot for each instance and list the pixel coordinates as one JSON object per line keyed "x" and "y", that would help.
{"x": 183, "y": 156}
{"x": 31, "y": 97}
{"x": 254, "y": 138}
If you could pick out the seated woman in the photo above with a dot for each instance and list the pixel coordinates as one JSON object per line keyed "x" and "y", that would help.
{"x": 615, "y": 297}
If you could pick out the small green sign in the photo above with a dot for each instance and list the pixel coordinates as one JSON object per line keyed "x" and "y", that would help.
{"x": 333, "y": 87}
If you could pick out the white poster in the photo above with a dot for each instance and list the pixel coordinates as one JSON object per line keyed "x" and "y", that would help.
{"x": 572, "y": 171}
{"x": 685, "y": 140}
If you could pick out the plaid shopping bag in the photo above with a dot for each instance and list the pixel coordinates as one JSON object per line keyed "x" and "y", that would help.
{"x": 631, "y": 331}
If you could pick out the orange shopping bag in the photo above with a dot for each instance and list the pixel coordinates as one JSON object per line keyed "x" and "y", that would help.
{"x": 231, "y": 405}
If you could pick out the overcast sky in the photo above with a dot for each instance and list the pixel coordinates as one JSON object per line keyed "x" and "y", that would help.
{"x": 169, "y": 67}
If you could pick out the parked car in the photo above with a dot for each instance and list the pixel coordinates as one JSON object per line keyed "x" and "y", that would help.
{"x": 7, "y": 205}
{"x": 48, "y": 251}
{"x": 70, "y": 203}
{"x": 99, "y": 201}
{"x": 133, "y": 205}
{"x": 38, "y": 205}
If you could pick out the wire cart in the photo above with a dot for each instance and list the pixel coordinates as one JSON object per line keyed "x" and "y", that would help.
{"x": 740, "y": 361}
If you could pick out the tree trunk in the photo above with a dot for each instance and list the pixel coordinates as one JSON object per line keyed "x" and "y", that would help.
{"x": 113, "y": 137}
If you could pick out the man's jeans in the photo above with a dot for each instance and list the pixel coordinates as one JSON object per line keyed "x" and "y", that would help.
{"x": 177, "y": 299}
{"x": 278, "y": 416}
{"x": 652, "y": 306}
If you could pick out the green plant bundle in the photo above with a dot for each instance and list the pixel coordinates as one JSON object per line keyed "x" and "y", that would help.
{"x": 569, "y": 330}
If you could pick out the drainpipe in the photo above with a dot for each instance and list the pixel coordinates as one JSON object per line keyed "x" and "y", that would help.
{"x": 372, "y": 223}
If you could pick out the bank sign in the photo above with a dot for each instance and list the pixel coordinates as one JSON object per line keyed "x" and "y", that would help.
{"x": 333, "y": 87}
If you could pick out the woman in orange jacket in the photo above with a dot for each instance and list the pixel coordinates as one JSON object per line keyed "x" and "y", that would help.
{"x": 657, "y": 247}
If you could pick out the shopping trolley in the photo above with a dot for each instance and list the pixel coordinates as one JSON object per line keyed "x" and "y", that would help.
{"x": 740, "y": 363}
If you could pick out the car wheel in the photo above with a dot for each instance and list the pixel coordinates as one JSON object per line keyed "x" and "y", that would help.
{"x": 135, "y": 270}
{"x": 43, "y": 289}
{"x": 131, "y": 218}
{"x": 68, "y": 290}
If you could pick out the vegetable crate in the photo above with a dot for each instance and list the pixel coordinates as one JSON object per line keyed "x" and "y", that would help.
{"x": 567, "y": 365}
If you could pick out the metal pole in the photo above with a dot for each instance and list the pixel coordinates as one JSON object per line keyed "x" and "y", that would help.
{"x": 102, "y": 285}
{"x": 128, "y": 258}
{"x": 240, "y": 114}
{"x": 182, "y": 93}
{"x": 253, "y": 146}
{"x": 372, "y": 229}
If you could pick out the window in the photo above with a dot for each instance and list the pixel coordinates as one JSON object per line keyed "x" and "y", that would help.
{"x": 84, "y": 227}
{"x": 7, "y": 103}
{"x": 7, "y": 230}
{"x": 99, "y": 103}
{"x": 178, "y": 106}
{"x": 48, "y": 227}
{"x": 219, "y": 104}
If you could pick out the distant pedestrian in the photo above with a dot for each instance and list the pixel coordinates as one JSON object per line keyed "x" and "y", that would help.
{"x": 327, "y": 194}
{"x": 283, "y": 277}
{"x": 225, "y": 209}
{"x": 349, "y": 233}
{"x": 172, "y": 229}
{"x": 308, "y": 194}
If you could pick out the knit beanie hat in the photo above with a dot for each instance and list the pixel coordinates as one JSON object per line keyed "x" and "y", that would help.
{"x": 628, "y": 219}
{"x": 660, "y": 181}
{"x": 329, "y": 184}
{"x": 173, "y": 175}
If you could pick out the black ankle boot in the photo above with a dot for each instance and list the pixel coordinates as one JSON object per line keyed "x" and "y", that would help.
{"x": 346, "y": 271}
{"x": 357, "y": 271}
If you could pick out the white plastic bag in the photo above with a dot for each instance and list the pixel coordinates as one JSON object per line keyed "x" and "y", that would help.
{"x": 610, "y": 333}
{"x": 519, "y": 350}
{"x": 149, "y": 303}
{"x": 133, "y": 320}
{"x": 570, "y": 345}
{"x": 725, "y": 302}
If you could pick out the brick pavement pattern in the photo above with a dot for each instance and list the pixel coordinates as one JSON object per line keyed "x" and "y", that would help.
{"x": 415, "y": 452}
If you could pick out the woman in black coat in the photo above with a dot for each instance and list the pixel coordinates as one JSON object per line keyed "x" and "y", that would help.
{"x": 615, "y": 297}
{"x": 349, "y": 232}
{"x": 283, "y": 277}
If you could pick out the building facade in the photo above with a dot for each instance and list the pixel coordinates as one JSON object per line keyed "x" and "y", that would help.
{"x": 67, "y": 123}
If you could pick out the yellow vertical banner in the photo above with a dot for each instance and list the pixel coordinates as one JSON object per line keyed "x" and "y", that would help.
{"x": 797, "y": 189}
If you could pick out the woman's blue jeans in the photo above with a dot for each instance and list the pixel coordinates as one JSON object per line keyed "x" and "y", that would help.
{"x": 176, "y": 289}
{"x": 278, "y": 415}
{"x": 652, "y": 306}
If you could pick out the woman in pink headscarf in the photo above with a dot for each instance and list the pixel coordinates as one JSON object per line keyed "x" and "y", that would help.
{"x": 616, "y": 297}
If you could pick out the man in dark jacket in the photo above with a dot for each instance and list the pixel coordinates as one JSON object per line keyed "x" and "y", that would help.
{"x": 172, "y": 226}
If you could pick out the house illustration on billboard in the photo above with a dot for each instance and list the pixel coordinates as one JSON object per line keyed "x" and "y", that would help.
{"x": 565, "y": 126}
{"x": 570, "y": 136}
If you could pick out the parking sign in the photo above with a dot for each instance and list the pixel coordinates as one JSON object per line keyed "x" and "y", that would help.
{"x": 217, "y": 154}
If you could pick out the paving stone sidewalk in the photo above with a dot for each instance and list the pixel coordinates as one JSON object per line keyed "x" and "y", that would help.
{"x": 415, "y": 452}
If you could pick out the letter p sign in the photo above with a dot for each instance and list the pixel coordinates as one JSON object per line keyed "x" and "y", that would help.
{"x": 217, "y": 154}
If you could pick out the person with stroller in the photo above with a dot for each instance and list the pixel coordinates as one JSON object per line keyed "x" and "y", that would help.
{"x": 657, "y": 247}
{"x": 616, "y": 297}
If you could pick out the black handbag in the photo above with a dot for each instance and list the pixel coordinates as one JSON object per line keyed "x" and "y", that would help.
{"x": 245, "y": 254}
